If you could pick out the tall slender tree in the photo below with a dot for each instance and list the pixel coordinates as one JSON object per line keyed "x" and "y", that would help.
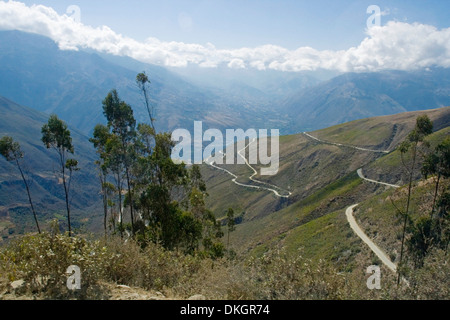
{"x": 56, "y": 136}
{"x": 432, "y": 230}
{"x": 437, "y": 163}
{"x": 143, "y": 82}
{"x": 155, "y": 183}
{"x": 423, "y": 128}
{"x": 100, "y": 139}
{"x": 12, "y": 152}
{"x": 115, "y": 164}
{"x": 123, "y": 125}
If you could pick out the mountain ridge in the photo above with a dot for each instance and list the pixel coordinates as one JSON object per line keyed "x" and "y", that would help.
{"x": 72, "y": 84}
{"x": 355, "y": 96}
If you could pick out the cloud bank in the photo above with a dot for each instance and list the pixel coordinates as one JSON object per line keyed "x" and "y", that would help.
{"x": 397, "y": 45}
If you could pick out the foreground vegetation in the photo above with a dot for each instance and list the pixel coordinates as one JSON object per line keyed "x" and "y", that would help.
{"x": 41, "y": 261}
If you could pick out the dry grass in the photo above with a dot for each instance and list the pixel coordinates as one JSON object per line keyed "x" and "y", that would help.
{"x": 276, "y": 275}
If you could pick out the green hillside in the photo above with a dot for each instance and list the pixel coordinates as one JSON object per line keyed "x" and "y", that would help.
{"x": 329, "y": 236}
{"x": 382, "y": 133}
{"x": 323, "y": 180}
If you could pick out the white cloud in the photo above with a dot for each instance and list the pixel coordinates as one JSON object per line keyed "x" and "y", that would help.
{"x": 397, "y": 45}
{"x": 236, "y": 64}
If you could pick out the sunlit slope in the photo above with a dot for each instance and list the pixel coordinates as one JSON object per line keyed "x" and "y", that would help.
{"x": 323, "y": 180}
{"x": 382, "y": 133}
{"x": 320, "y": 229}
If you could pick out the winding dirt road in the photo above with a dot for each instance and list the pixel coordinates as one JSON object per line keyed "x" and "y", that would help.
{"x": 349, "y": 212}
{"x": 360, "y": 233}
{"x": 270, "y": 187}
{"x": 361, "y": 175}
{"x": 344, "y": 145}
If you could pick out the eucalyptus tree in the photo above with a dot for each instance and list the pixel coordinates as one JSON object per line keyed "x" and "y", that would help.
{"x": 162, "y": 176}
{"x": 143, "y": 83}
{"x": 122, "y": 123}
{"x": 416, "y": 137}
{"x": 432, "y": 230}
{"x": 437, "y": 163}
{"x": 12, "y": 152}
{"x": 100, "y": 139}
{"x": 211, "y": 228}
{"x": 56, "y": 136}
{"x": 155, "y": 183}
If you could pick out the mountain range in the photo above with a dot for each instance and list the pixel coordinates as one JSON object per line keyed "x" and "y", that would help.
{"x": 72, "y": 84}
{"x": 361, "y": 95}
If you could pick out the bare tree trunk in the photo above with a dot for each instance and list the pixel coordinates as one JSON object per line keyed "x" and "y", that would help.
{"x": 29, "y": 195}
{"x": 130, "y": 195}
{"x": 150, "y": 111}
{"x": 119, "y": 189}
{"x": 407, "y": 212}
{"x": 63, "y": 167}
{"x": 105, "y": 202}
{"x": 436, "y": 191}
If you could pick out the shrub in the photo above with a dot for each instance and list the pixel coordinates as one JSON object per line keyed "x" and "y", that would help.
{"x": 152, "y": 267}
{"x": 42, "y": 261}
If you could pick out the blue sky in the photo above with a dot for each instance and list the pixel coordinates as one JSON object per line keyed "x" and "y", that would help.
{"x": 283, "y": 35}
{"x": 228, "y": 24}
